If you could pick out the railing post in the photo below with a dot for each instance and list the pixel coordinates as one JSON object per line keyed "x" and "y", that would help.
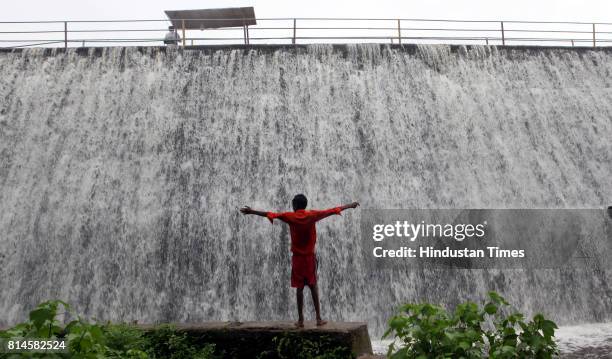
{"x": 594, "y": 40}
{"x": 248, "y": 37}
{"x": 503, "y": 35}
{"x": 293, "y": 39}
{"x": 399, "y": 33}
{"x": 244, "y": 37}
{"x": 65, "y": 34}
{"x": 184, "y": 39}
{"x": 487, "y": 40}
{"x": 572, "y": 42}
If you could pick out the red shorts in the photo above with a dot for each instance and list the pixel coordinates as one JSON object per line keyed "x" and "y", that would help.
{"x": 303, "y": 270}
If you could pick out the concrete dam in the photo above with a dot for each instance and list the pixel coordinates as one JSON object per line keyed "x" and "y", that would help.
{"x": 121, "y": 171}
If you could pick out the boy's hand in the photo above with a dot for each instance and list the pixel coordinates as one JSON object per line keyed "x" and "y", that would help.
{"x": 351, "y": 205}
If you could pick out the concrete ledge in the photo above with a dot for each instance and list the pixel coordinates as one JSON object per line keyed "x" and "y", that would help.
{"x": 270, "y": 48}
{"x": 248, "y": 339}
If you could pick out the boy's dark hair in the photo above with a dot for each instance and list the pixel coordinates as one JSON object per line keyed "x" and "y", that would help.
{"x": 299, "y": 202}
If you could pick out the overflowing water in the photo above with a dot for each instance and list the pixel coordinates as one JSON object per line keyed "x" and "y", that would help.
{"x": 121, "y": 170}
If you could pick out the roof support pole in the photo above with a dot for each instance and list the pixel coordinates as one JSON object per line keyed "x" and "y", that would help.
{"x": 399, "y": 33}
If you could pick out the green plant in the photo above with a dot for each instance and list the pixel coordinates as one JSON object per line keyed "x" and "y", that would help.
{"x": 293, "y": 346}
{"x": 429, "y": 331}
{"x": 125, "y": 341}
{"x": 93, "y": 340}
{"x": 42, "y": 323}
{"x": 165, "y": 342}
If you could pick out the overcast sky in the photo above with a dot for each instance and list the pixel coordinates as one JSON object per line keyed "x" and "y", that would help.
{"x": 557, "y": 10}
{"x": 531, "y": 10}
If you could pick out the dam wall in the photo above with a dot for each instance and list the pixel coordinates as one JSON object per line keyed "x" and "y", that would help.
{"x": 121, "y": 171}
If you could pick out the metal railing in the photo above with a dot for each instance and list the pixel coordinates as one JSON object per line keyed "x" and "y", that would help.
{"x": 14, "y": 34}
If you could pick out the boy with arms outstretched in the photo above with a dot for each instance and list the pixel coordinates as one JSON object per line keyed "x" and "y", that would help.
{"x": 303, "y": 239}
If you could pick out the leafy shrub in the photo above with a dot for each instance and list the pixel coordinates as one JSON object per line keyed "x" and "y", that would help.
{"x": 121, "y": 341}
{"x": 429, "y": 331}
{"x": 94, "y": 340}
{"x": 166, "y": 343}
{"x": 293, "y": 346}
{"x": 125, "y": 341}
{"x": 85, "y": 340}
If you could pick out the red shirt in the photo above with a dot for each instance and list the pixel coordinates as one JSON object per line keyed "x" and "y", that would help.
{"x": 302, "y": 227}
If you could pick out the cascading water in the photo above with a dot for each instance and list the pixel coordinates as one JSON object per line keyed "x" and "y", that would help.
{"x": 121, "y": 170}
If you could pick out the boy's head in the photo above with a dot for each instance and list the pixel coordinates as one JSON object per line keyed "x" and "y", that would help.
{"x": 299, "y": 202}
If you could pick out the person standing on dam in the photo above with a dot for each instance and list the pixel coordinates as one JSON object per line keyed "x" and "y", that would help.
{"x": 172, "y": 37}
{"x": 303, "y": 240}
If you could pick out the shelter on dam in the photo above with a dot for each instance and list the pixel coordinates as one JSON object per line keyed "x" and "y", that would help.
{"x": 202, "y": 19}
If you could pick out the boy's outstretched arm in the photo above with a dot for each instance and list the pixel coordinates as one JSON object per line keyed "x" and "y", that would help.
{"x": 319, "y": 215}
{"x": 249, "y": 210}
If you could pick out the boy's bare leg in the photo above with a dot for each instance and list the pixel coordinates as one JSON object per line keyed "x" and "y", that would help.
{"x": 300, "y": 304}
{"x": 314, "y": 290}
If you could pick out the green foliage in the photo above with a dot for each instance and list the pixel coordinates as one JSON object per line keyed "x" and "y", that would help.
{"x": 430, "y": 331}
{"x": 293, "y": 346}
{"x": 87, "y": 340}
{"x": 93, "y": 340}
{"x": 42, "y": 323}
{"x": 125, "y": 341}
{"x": 165, "y": 342}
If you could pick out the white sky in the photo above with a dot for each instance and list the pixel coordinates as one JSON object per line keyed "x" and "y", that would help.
{"x": 538, "y": 10}
{"x": 557, "y": 10}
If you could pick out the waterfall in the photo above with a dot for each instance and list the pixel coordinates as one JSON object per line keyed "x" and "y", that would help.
{"x": 121, "y": 170}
